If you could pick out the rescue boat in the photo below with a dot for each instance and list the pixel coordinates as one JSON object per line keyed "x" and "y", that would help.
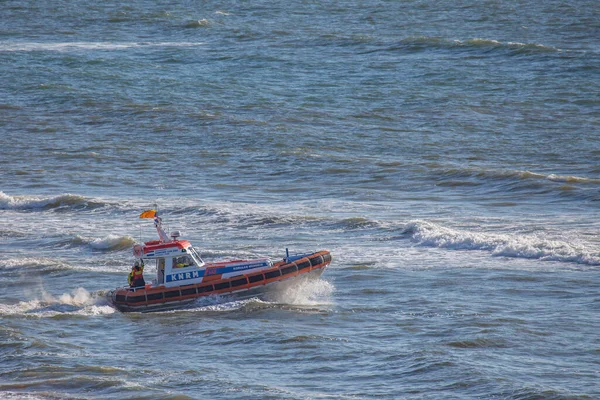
{"x": 182, "y": 276}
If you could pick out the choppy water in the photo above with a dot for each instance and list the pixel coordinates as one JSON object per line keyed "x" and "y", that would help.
{"x": 448, "y": 154}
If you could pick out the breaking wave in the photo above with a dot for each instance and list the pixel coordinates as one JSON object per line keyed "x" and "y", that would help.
{"x": 21, "y": 266}
{"x": 78, "y": 302}
{"x": 506, "y": 245}
{"x": 107, "y": 243}
{"x": 63, "y": 201}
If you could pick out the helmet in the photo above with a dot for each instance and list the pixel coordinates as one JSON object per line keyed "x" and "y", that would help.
{"x": 136, "y": 264}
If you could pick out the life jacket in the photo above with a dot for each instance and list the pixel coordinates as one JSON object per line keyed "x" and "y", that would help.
{"x": 138, "y": 274}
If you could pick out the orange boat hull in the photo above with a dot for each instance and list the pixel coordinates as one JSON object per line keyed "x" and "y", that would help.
{"x": 155, "y": 298}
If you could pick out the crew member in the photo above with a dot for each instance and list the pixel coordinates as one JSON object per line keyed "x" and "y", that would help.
{"x": 136, "y": 276}
{"x": 181, "y": 262}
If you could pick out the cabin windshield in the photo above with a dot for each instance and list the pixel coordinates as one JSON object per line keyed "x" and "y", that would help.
{"x": 196, "y": 256}
{"x": 183, "y": 261}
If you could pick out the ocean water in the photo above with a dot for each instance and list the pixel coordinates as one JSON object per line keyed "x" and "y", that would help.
{"x": 446, "y": 153}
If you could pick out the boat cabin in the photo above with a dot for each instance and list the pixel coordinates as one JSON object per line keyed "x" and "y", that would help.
{"x": 176, "y": 261}
{"x": 178, "y": 264}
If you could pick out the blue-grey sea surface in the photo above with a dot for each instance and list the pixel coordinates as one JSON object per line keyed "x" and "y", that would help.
{"x": 447, "y": 153}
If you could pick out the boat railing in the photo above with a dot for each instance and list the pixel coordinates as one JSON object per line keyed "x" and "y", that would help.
{"x": 135, "y": 289}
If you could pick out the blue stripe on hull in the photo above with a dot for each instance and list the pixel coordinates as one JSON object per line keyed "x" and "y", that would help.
{"x": 183, "y": 276}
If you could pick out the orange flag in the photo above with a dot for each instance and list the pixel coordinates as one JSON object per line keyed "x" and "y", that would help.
{"x": 148, "y": 214}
